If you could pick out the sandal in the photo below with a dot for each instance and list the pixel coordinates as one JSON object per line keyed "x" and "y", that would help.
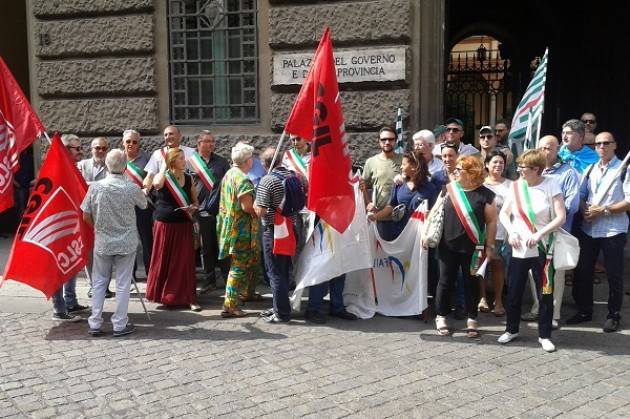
{"x": 233, "y": 313}
{"x": 499, "y": 312}
{"x": 442, "y": 327}
{"x": 472, "y": 331}
{"x": 253, "y": 298}
{"x": 483, "y": 306}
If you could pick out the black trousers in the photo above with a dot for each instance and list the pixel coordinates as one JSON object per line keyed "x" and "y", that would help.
{"x": 516, "y": 282}
{"x": 451, "y": 263}
{"x": 210, "y": 248}
{"x": 144, "y": 224}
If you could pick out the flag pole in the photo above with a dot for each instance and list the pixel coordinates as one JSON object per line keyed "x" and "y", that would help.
{"x": 275, "y": 155}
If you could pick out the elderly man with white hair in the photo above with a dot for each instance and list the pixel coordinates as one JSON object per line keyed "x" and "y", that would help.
{"x": 423, "y": 142}
{"x": 110, "y": 206}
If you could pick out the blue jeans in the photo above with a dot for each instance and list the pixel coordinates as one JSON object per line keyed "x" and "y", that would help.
{"x": 277, "y": 268}
{"x": 612, "y": 248}
{"x": 65, "y": 297}
{"x": 316, "y": 295}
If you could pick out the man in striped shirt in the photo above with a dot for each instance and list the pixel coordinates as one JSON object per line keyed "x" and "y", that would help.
{"x": 269, "y": 196}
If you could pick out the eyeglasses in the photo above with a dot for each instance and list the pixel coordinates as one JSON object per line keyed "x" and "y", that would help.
{"x": 486, "y": 137}
{"x": 589, "y": 121}
{"x": 603, "y": 143}
{"x": 525, "y": 167}
{"x": 448, "y": 145}
{"x": 99, "y": 148}
{"x": 385, "y": 140}
{"x": 458, "y": 169}
{"x": 453, "y": 129}
{"x": 131, "y": 141}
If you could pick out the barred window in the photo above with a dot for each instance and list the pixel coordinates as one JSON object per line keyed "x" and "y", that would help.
{"x": 213, "y": 61}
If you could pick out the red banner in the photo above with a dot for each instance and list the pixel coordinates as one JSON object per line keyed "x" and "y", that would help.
{"x": 284, "y": 242}
{"x": 19, "y": 127}
{"x": 317, "y": 116}
{"x": 52, "y": 242}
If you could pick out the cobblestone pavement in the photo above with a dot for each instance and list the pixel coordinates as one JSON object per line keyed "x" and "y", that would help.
{"x": 185, "y": 364}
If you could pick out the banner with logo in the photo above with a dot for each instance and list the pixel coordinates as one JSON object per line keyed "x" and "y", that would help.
{"x": 53, "y": 242}
{"x": 328, "y": 254}
{"x": 396, "y": 284}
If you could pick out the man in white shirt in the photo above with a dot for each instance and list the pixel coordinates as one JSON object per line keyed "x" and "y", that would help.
{"x": 454, "y": 135}
{"x": 172, "y": 138}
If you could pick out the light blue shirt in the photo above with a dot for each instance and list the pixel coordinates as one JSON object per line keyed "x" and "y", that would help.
{"x": 569, "y": 181}
{"x": 580, "y": 159}
{"x": 256, "y": 172}
{"x": 613, "y": 224}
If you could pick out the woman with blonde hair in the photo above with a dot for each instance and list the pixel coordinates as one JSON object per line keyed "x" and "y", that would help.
{"x": 470, "y": 224}
{"x": 534, "y": 209}
{"x": 237, "y": 230}
{"x": 171, "y": 279}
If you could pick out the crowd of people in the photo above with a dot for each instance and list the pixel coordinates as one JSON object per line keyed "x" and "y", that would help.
{"x": 181, "y": 202}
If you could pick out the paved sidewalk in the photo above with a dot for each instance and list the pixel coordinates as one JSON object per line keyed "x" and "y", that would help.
{"x": 185, "y": 364}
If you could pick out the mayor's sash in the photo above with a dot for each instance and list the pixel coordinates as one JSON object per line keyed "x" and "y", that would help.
{"x": 135, "y": 174}
{"x": 468, "y": 219}
{"x": 203, "y": 171}
{"x": 526, "y": 211}
{"x": 181, "y": 197}
{"x": 297, "y": 162}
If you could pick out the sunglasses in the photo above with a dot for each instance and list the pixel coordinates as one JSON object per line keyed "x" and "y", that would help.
{"x": 603, "y": 143}
{"x": 99, "y": 148}
{"x": 448, "y": 145}
{"x": 486, "y": 137}
{"x": 453, "y": 129}
{"x": 385, "y": 140}
{"x": 131, "y": 142}
{"x": 589, "y": 121}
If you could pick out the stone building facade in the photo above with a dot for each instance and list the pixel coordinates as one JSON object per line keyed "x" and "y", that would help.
{"x": 99, "y": 67}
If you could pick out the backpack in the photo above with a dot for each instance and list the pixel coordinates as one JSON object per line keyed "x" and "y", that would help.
{"x": 294, "y": 199}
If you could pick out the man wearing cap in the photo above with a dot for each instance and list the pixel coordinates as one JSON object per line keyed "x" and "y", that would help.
{"x": 488, "y": 143}
{"x": 378, "y": 175}
{"x": 423, "y": 143}
{"x": 573, "y": 150}
{"x": 454, "y": 134}
{"x": 439, "y": 132}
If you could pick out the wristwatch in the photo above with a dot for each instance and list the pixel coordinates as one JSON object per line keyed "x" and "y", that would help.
{"x": 606, "y": 211}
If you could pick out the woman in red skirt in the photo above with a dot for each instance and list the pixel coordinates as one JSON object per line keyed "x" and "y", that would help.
{"x": 171, "y": 279}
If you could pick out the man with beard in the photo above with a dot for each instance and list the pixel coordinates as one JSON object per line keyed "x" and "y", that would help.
{"x": 454, "y": 135}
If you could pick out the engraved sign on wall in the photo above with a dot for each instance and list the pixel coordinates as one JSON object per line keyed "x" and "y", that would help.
{"x": 353, "y": 66}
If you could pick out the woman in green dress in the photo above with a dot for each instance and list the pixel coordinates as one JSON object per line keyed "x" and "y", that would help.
{"x": 237, "y": 229}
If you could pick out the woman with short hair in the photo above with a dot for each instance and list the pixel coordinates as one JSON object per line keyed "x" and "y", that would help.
{"x": 528, "y": 218}
{"x": 470, "y": 223}
{"x": 237, "y": 230}
{"x": 171, "y": 280}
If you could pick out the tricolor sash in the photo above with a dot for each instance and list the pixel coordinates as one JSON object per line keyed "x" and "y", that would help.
{"x": 202, "y": 169}
{"x": 468, "y": 219}
{"x": 526, "y": 211}
{"x": 135, "y": 174}
{"x": 297, "y": 162}
{"x": 163, "y": 151}
{"x": 181, "y": 197}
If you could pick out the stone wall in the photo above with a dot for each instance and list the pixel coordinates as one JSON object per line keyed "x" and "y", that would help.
{"x": 296, "y": 27}
{"x": 95, "y": 66}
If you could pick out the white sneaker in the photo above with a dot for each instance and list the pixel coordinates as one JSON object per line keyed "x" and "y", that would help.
{"x": 507, "y": 337}
{"x": 547, "y": 345}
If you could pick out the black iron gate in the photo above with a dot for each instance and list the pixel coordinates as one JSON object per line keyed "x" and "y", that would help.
{"x": 479, "y": 89}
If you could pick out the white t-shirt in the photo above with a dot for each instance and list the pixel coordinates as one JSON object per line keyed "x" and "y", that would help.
{"x": 501, "y": 191}
{"x": 541, "y": 199}
{"x": 156, "y": 162}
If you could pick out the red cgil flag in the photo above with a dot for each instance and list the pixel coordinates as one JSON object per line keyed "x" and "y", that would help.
{"x": 52, "y": 242}
{"x": 19, "y": 127}
{"x": 317, "y": 116}
{"x": 284, "y": 242}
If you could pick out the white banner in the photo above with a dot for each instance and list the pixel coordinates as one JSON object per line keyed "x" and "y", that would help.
{"x": 396, "y": 285}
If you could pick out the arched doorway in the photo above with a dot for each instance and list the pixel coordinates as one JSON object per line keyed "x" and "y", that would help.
{"x": 479, "y": 84}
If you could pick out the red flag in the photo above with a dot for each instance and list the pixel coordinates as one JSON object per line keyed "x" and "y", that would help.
{"x": 284, "y": 242}
{"x": 317, "y": 116}
{"x": 52, "y": 242}
{"x": 19, "y": 127}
